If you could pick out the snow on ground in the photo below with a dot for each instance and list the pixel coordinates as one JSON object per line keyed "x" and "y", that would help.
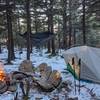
{"x": 57, "y": 63}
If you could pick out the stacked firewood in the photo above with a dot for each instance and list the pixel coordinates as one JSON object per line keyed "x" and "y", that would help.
{"x": 47, "y": 79}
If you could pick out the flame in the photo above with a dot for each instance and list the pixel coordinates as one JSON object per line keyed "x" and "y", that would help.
{"x": 2, "y": 75}
{"x": 2, "y": 72}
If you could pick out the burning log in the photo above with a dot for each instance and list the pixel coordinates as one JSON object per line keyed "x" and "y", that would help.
{"x": 2, "y": 72}
{"x": 3, "y": 85}
{"x": 6, "y": 84}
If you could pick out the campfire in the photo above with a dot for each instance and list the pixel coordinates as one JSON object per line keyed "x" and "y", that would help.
{"x": 2, "y": 73}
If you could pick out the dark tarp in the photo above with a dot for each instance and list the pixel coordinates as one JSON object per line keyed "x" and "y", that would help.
{"x": 39, "y": 38}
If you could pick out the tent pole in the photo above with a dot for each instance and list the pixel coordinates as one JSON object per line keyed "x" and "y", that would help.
{"x": 73, "y": 63}
{"x": 79, "y": 63}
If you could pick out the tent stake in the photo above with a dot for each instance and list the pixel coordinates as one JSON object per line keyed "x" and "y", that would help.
{"x": 73, "y": 63}
{"x": 79, "y": 63}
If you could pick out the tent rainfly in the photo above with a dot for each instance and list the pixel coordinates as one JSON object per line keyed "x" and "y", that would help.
{"x": 90, "y": 62}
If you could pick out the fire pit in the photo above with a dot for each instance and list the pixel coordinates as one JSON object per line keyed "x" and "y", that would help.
{"x": 2, "y": 75}
{"x": 2, "y": 72}
{"x": 4, "y": 79}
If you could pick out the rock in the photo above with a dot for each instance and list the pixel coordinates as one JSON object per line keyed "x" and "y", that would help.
{"x": 26, "y": 66}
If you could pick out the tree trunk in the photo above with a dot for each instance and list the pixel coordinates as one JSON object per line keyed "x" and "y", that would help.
{"x": 49, "y": 44}
{"x": 70, "y": 23}
{"x": 49, "y": 47}
{"x": 11, "y": 55}
{"x": 53, "y": 41}
{"x": 64, "y": 2}
{"x": 51, "y": 26}
{"x": 0, "y": 48}
{"x": 74, "y": 36}
{"x": 84, "y": 27}
{"x": 51, "y": 30}
{"x": 36, "y": 24}
{"x": 28, "y": 28}
{"x": 18, "y": 21}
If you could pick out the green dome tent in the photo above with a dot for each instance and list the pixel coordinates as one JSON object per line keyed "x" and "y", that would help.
{"x": 90, "y": 62}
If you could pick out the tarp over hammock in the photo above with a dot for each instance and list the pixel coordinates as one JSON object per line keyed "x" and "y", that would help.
{"x": 90, "y": 62}
{"x": 39, "y": 38}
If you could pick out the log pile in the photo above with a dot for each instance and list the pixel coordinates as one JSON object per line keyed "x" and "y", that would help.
{"x": 48, "y": 79}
